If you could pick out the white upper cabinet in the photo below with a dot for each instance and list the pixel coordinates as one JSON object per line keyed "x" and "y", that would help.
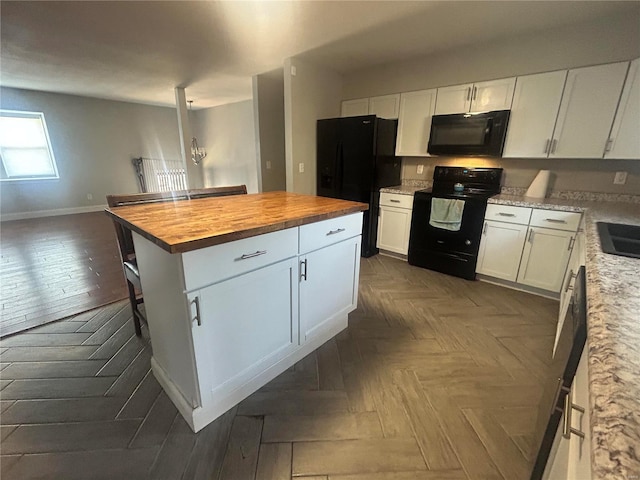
{"x": 456, "y": 99}
{"x": 536, "y": 102}
{"x": 476, "y": 97}
{"x": 586, "y": 114}
{"x": 354, "y": 108}
{"x": 493, "y": 95}
{"x": 385, "y": 106}
{"x": 624, "y": 141}
{"x": 414, "y": 122}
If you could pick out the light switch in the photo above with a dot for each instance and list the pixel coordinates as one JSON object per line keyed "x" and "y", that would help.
{"x": 301, "y": 168}
{"x": 268, "y": 164}
{"x": 420, "y": 169}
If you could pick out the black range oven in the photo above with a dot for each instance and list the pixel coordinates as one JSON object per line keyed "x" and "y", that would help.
{"x": 452, "y": 250}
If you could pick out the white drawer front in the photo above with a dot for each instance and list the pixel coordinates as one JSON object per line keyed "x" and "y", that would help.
{"x": 209, "y": 265}
{"x": 507, "y": 213}
{"x": 396, "y": 200}
{"x": 554, "y": 219}
{"x": 320, "y": 234}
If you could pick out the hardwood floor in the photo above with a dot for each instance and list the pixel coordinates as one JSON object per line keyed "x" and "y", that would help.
{"x": 54, "y": 267}
{"x": 435, "y": 378}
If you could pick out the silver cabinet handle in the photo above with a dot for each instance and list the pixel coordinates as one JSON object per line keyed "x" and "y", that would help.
{"x": 338, "y": 230}
{"x": 554, "y": 144}
{"x": 547, "y": 145}
{"x": 197, "y": 318}
{"x": 530, "y": 237}
{"x": 569, "y": 406}
{"x": 571, "y": 276}
{"x": 303, "y": 273}
{"x": 468, "y": 94}
{"x": 475, "y": 92}
{"x": 571, "y": 242}
{"x": 244, "y": 256}
{"x": 555, "y": 220}
{"x": 394, "y": 201}
{"x": 484, "y": 229}
{"x": 502, "y": 214}
{"x": 607, "y": 146}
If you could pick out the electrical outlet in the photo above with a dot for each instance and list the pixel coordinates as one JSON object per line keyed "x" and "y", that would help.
{"x": 293, "y": 71}
{"x": 301, "y": 168}
{"x": 268, "y": 164}
{"x": 89, "y": 196}
{"x": 620, "y": 178}
{"x": 420, "y": 169}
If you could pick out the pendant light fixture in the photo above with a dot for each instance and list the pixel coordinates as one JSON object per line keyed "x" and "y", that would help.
{"x": 197, "y": 153}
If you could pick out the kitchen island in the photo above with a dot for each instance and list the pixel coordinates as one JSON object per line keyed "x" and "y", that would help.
{"x": 237, "y": 289}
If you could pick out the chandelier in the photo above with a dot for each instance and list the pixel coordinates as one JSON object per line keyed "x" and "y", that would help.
{"x": 197, "y": 152}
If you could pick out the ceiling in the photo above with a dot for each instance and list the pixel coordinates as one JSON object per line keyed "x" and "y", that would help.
{"x": 140, "y": 51}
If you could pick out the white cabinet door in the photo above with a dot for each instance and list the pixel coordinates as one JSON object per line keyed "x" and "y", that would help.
{"x": 580, "y": 448}
{"x": 385, "y": 106}
{"x": 492, "y": 95}
{"x": 587, "y": 109}
{"x": 355, "y": 108}
{"x": 624, "y": 141}
{"x": 533, "y": 114}
{"x": 456, "y": 99}
{"x": 328, "y": 286}
{"x": 414, "y": 122}
{"x": 246, "y": 324}
{"x": 544, "y": 259}
{"x": 501, "y": 249}
{"x": 394, "y": 226}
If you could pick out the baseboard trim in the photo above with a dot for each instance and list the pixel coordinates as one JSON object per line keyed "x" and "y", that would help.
{"x": 6, "y": 217}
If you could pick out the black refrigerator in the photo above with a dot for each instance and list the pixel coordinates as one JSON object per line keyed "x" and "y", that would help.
{"x": 355, "y": 158}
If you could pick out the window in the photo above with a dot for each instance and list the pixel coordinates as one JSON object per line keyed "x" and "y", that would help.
{"x": 24, "y": 147}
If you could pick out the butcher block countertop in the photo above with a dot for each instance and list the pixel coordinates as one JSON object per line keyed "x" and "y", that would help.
{"x": 185, "y": 225}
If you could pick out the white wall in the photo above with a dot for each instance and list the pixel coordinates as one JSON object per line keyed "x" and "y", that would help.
{"x": 604, "y": 41}
{"x": 268, "y": 97}
{"x": 313, "y": 93}
{"x": 227, "y": 134}
{"x": 93, "y": 142}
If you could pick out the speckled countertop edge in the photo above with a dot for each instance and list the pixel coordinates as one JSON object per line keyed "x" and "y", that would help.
{"x": 613, "y": 337}
{"x": 402, "y": 189}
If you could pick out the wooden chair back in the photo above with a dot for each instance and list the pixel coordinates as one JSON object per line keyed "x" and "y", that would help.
{"x": 217, "y": 191}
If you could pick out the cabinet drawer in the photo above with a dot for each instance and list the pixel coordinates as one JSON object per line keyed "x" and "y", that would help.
{"x": 209, "y": 265}
{"x": 554, "y": 219}
{"x": 320, "y": 234}
{"x": 396, "y": 200}
{"x": 507, "y": 213}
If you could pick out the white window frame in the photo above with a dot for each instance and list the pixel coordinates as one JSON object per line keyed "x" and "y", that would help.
{"x": 22, "y": 178}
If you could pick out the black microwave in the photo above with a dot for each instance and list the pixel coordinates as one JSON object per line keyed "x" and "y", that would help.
{"x": 469, "y": 133}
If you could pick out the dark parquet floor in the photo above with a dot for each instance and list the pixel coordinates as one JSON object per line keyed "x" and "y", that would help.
{"x": 54, "y": 267}
{"x": 436, "y": 378}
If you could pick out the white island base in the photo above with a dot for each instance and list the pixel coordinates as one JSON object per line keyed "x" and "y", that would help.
{"x": 227, "y": 319}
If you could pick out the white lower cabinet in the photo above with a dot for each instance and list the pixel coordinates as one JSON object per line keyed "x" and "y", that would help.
{"x": 571, "y": 458}
{"x": 243, "y": 325}
{"x": 394, "y": 222}
{"x": 501, "y": 249}
{"x": 544, "y": 258}
{"x": 528, "y": 246}
{"x": 328, "y": 286}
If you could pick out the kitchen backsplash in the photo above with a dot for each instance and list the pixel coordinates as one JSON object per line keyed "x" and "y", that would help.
{"x": 583, "y": 179}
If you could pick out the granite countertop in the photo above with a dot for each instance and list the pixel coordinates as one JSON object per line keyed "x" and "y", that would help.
{"x": 185, "y": 225}
{"x": 402, "y": 189}
{"x": 613, "y": 337}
